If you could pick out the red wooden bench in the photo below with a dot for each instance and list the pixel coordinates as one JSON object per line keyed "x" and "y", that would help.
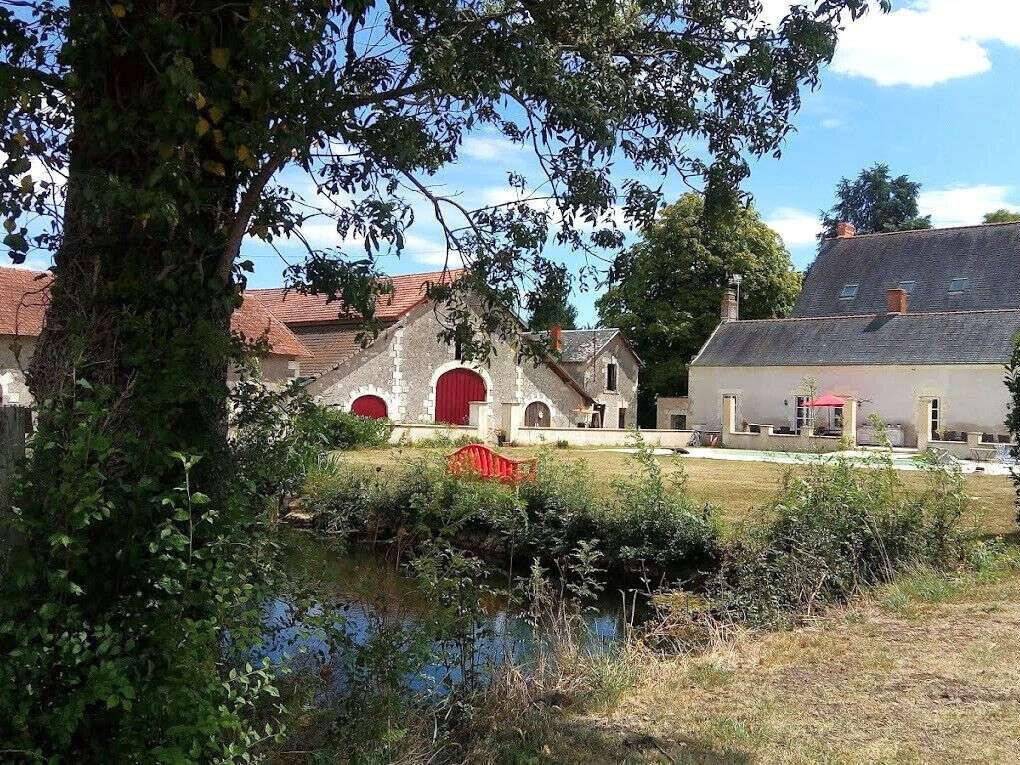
{"x": 480, "y": 460}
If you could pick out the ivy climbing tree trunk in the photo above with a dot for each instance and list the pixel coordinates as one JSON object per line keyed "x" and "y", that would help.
{"x": 130, "y": 376}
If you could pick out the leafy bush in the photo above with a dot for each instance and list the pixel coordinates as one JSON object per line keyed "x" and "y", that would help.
{"x": 837, "y": 528}
{"x": 342, "y": 430}
{"x": 646, "y": 524}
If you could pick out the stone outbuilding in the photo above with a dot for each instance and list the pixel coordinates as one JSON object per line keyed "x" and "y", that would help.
{"x": 23, "y": 299}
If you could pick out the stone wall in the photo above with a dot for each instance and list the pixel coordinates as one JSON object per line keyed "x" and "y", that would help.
{"x": 666, "y": 439}
{"x": 668, "y": 406}
{"x": 405, "y": 362}
{"x": 12, "y": 377}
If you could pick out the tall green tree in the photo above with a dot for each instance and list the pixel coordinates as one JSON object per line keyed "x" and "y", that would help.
{"x": 667, "y": 289}
{"x": 875, "y": 202}
{"x": 1002, "y": 215}
{"x": 549, "y": 303}
{"x": 153, "y": 135}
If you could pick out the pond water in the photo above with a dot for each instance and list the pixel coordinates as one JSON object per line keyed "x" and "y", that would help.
{"x": 373, "y": 608}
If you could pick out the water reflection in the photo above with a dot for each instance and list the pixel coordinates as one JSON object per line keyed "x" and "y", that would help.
{"x": 366, "y": 603}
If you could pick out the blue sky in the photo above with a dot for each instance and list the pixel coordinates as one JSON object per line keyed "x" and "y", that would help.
{"x": 930, "y": 89}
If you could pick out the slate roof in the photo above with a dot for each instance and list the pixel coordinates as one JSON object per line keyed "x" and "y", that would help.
{"x": 579, "y": 345}
{"x": 963, "y": 337}
{"x": 987, "y": 255}
{"x": 24, "y": 294}
{"x": 296, "y": 308}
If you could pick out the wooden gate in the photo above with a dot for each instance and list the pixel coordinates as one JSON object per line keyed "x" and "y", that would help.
{"x": 454, "y": 391}
{"x": 372, "y": 407}
{"x": 536, "y": 415}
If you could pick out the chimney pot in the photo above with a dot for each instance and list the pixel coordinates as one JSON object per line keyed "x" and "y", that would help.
{"x": 845, "y": 230}
{"x": 729, "y": 311}
{"x": 896, "y": 301}
{"x": 556, "y": 337}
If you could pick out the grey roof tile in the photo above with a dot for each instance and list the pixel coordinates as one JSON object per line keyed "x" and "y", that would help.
{"x": 580, "y": 344}
{"x": 965, "y": 337}
{"x": 988, "y": 256}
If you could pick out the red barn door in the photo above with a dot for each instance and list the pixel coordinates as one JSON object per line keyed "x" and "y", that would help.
{"x": 372, "y": 407}
{"x": 454, "y": 391}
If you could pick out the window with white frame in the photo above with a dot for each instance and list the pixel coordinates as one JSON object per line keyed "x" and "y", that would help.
{"x": 936, "y": 419}
{"x": 805, "y": 414}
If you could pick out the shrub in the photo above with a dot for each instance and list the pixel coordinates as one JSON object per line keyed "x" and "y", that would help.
{"x": 658, "y": 524}
{"x": 648, "y": 524}
{"x": 837, "y": 528}
{"x": 342, "y": 430}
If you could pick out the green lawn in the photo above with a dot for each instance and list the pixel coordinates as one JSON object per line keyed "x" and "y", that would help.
{"x": 739, "y": 488}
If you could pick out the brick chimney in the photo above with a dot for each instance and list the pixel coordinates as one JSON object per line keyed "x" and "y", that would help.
{"x": 556, "y": 337}
{"x": 896, "y": 301}
{"x": 729, "y": 311}
{"x": 845, "y": 230}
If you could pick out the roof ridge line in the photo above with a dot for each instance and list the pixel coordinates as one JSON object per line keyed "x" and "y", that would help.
{"x": 921, "y": 230}
{"x": 883, "y": 313}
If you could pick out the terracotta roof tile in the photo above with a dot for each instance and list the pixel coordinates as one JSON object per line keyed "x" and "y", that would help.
{"x": 254, "y": 321}
{"x": 23, "y": 298}
{"x": 296, "y": 308}
{"x": 24, "y": 294}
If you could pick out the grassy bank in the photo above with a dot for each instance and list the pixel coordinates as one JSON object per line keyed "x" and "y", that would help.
{"x": 854, "y": 615}
{"x": 921, "y": 670}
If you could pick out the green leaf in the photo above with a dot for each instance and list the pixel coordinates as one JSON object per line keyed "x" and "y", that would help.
{"x": 220, "y": 57}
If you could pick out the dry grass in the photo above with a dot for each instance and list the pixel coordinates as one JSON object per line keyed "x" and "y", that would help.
{"x": 937, "y": 682}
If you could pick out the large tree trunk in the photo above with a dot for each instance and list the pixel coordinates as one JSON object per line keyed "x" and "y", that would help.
{"x": 130, "y": 369}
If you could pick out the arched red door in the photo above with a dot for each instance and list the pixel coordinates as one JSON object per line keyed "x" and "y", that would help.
{"x": 372, "y": 407}
{"x": 454, "y": 391}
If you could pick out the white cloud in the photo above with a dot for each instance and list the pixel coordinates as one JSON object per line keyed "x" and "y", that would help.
{"x": 829, "y": 123}
{"x": 963, "y": 205}
{"x": 487, "y": 147}
{"x": 927, "y": 41}
{"x": 796, "y": 227}
{"x": 920, "y": 43}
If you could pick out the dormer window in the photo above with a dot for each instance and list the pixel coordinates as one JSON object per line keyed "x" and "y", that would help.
{"x": 849, "y": 292}
{"x": 957, "y": 285}
{"x": 908, "y": 287}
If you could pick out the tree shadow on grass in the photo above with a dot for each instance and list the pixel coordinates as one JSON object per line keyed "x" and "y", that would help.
{"x": 586, "y": 740}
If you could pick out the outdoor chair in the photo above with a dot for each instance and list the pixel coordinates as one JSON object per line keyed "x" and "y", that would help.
{"x": 1004, "y": 454}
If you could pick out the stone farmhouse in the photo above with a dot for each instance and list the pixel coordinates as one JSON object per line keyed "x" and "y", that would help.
{"x": 915, "y": 327}
{"x": 589, "y": 379}
{"x": 23, "y": 296}
{"x": 408, "y": 374}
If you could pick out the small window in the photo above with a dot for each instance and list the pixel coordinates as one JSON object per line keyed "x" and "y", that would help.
{"x": 936, "y": 420}
{"x": 611, "y": 377}
{"x": 908, "y": 287}
{"x": 678, "y": 421}
{"x": 622, "y": 418}
{"x": 957, "y": 285}
{"x": 849, "y": 292}
{"x": 805, "y": 414}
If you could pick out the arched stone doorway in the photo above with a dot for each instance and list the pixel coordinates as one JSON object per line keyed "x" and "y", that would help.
{"x": 455, "y": 390}
{"x": 536, "y": 415}
{"x": 372, "y": 407}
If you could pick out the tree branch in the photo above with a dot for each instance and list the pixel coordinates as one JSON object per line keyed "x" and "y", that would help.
{"x": 22, "y": 72}
{"x": 244, "y": 210}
